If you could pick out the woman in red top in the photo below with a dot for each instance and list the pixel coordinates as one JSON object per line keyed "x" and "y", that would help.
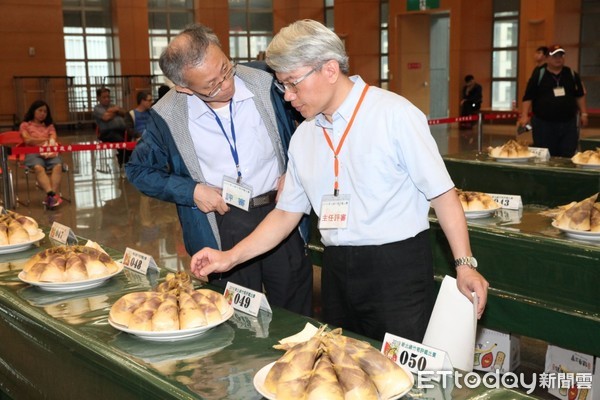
{"x": 37, "y": 129}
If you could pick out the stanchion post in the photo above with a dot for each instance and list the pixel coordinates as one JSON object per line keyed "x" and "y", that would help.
{"x": 479, "y": 132}
{"x": 6, "y": 181}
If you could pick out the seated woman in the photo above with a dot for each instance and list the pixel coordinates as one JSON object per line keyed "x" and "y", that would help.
{"x": 37, "y": 129}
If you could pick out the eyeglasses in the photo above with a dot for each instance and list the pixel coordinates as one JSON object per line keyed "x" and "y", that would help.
{"x": 292, "y": 87}
{"x": 217, "y": 88}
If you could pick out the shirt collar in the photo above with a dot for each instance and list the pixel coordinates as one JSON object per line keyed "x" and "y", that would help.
{"x": 197, "y": 107}
{"x": 348, "y": 105}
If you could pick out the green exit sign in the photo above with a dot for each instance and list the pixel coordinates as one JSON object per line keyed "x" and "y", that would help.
{"x": 416, "y": 5}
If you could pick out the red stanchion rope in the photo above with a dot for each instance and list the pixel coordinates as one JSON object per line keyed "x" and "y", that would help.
{"x": 63, "y": 148}
{"x": 451, "y": 120}
{"x": 501, "y": 116}
{"x": 474, "y": 117}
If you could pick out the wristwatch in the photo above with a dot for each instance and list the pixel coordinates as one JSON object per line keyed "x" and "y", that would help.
{"x": 469, "y": 260}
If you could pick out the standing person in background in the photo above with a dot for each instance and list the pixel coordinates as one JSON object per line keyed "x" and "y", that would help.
{"x": 470, "y": 103}
{"x": 556, "y": 96}
{"x": 37, "y": 129}
{"x": 110, "y": 122}
{"x": 137, "y": 117}
{"x": 220, "y": 136}
{"x": 365, "y": 161}
{"x": 540, "y": 56}
{"x": 162, "y": 90}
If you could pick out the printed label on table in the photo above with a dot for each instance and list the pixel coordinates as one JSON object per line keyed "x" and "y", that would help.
{"x": 540, "y": 153}
{"x": 509, "y": 201}
{"x": 62, "y": 234}
{"x": 415, "y": 356}
{"x": 246, "y": 300}
{"x": 138, "y": 261}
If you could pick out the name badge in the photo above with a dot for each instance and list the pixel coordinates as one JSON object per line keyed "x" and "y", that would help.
{"x": 246, "y": 300}
{"x": 236, "y": 194}
{"x": 415, "y": 356}
{"x": 334, "y": 212}
{"x": 559, "y": 91}
{"x": 138, "y": 261}
{"x": 62, "y": 234}
{"x": 512, "y": 202}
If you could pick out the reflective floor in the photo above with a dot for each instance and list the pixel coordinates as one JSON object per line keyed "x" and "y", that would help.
{"x": 106, "y": 208}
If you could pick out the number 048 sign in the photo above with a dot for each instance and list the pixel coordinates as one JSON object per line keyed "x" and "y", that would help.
{"x": 138, "y": 261}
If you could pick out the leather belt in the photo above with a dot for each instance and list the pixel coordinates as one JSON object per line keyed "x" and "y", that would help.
{"x": 263, "y": 199}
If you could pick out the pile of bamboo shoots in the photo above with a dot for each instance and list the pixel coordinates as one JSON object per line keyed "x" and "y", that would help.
{"x": 333, "y": 366}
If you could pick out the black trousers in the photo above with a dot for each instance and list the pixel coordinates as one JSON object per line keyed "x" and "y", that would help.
{"x": 284, "y": 274}
{"x": 372, "y": 290}
{"x": 560, "y": 138}
{"x": 117, "y": 136}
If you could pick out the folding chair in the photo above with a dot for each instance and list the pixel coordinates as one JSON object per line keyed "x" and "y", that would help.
{"x": 14, "y": 139}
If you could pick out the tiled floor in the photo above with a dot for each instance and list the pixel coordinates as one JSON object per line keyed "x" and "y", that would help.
{"x": 106, "y": 208}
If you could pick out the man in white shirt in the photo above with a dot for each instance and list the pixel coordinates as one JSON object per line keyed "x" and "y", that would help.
{"x": 365, "y": 161}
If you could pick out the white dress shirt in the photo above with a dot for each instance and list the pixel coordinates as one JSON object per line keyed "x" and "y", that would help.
{"x": 389, "y": 165}
{"x": 258, "y": 162}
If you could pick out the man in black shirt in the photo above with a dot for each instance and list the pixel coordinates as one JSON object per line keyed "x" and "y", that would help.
{"x": 556, "y": 95}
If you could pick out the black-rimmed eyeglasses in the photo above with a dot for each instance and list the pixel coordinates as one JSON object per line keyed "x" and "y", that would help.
{"x": 217, "y": 88}
{"x": 292, "y": 87}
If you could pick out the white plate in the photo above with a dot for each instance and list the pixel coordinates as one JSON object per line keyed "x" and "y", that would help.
{"x": 261, "y": 375}
{"x": 167, "y": 336}
{"x": 575, "y": 234}
{"x": 71, "y": 286}
{"x": 13, "y": 248}
{"x": 590, "y": 166}
{"x": 514, "y": 159}
{"x": 481, "y": 213}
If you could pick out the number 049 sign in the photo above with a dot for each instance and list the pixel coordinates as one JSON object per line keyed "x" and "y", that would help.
{"x": 246, "y": 300}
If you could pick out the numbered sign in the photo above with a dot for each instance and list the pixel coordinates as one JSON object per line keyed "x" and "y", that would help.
{"x": 246, "y": 300}
{"x": 62, "y": 234}
{"x": 540, "y": 153}
{"x": 415, "y": 356}
{"x": 138, "y": 261}
{"x": 509, "y": 201}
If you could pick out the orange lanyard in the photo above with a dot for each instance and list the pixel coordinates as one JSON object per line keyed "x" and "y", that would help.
{"x": 336, "y": 163}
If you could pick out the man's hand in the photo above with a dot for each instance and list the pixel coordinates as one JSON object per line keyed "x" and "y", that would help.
{"x": 469, "y": 281}
{"x": 208, "y": 260}
{"x": 209, "y": 199}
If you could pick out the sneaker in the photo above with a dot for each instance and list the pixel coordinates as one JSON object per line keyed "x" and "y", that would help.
{"x": 59, "y": 200}
{"x": 53, "y": 201}
{"x": 49, "y": 200}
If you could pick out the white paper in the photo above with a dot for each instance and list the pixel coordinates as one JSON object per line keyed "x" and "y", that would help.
{"x": 452, "y": 325}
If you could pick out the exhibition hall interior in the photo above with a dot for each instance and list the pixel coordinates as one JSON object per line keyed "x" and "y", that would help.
{"x": 472, "y": 69}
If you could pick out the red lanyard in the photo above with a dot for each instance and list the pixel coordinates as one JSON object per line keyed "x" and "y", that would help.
{"x": 336, "y": 163}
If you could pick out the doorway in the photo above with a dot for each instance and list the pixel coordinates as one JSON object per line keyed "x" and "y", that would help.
{"x": 424, "y": 42}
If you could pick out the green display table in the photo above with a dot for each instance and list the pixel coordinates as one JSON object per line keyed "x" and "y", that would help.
{"x": 60, "y": 346}
{"x": 590, "y": 143}
{"x": 551, "y": 183}
{"x": 543, "y": 283}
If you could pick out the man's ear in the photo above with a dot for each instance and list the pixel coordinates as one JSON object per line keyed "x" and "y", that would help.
{"x": 185, "y": 90}
{"x": 331, "y": 69}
